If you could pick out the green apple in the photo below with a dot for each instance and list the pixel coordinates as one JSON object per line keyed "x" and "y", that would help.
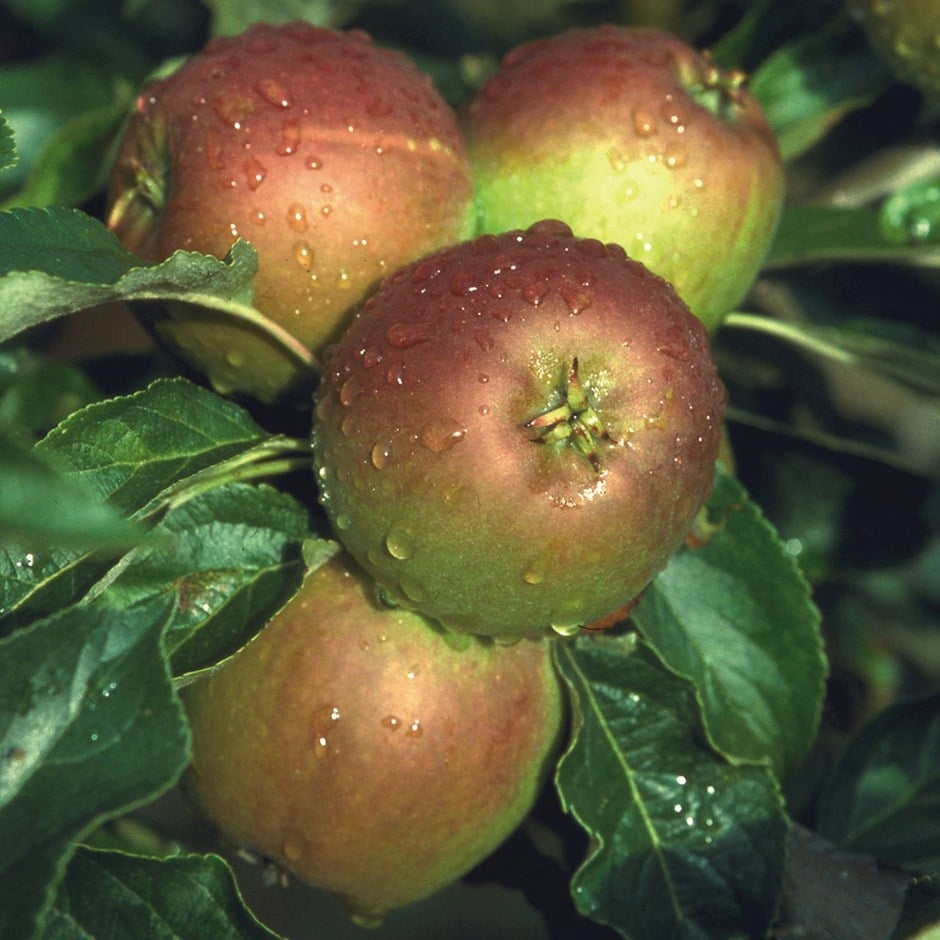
{"x": 363, "y": 751}
{"x": 631, "y": 136}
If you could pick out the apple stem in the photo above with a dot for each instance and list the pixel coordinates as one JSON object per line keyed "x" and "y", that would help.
{"x": 574, "y": 420}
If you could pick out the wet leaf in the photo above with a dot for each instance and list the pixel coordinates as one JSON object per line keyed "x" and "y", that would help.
{"x": 734, "y": 616}
{"x": 683, "y": 844}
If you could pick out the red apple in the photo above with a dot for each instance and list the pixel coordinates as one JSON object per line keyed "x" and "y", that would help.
{"x": 364, "y": 752}
{"x": 338, "y": 160}
{"x": 516, "y": 433}
{"x": 632, "y": 136}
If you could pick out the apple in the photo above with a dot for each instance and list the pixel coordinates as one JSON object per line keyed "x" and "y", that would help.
{"x": 367, "y": 753}
{"x": 336, "y": 159}
{"x": 632, "y": 136}
{"x": 515, "y": 433}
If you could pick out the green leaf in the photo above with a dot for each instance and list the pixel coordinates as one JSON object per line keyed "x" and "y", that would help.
{"x": 809, "y": 85}
{"x": 42, "y": 95}
{"x": 137, "y": 453}
{"x": 40, "y": 507}
{"x": 89, "y": 727}
{"x": 56, "y": 261}
{"x": 7, "y": 143}
{"x": 814, "y": 234}
{"x": 911, "y": 215}
{"x": 227, "y": 560}
{"x": 73, "y": 165}
{"x": 883, "y": 797}
{"x": 734, "y": 617}
{"x": 192, "y": 897}
{"x": 230, "y": 17}
{"x": 37, "y": 393}
{"x": 683, "y": 844}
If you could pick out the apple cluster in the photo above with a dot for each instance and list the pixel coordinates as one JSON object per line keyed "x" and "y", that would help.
{"x": 517, "y": 417}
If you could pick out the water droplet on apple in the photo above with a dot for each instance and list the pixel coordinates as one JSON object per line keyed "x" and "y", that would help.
{"x": 392, "y": 722}
{"x": 297, "y": 217}
{"x": 372, "y": 357}
{"x": 535, "y": 293}
{"x": 414, "y": 729}
{"x": 292, "y": 849}
{"x": 290, "y": 138}
{"x": 533, "y": 575}
{"x": 255, "y": 172}
{"x": 235, "y": 359}
{"x": 343, "y": 282}
{"x": 440, "y": 435}
{"x": 348, "y": 392}
{"x": 405, "y": 335}
{"x": 314, "y": 163}
{"x": 343, "y": 521}
{"x": 303, "y": 254}
{"x": 322, "y": 725}
{"x": 381, "y": 454}
{"x": 399, "y": 544}
{"x": 274, "y": 93}
{"x": 644, "y": 123}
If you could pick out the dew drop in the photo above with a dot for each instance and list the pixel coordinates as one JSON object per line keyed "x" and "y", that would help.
{"x": 414, "y": 729}
{"x": 297, "y": 217}
{"x": 274, "y": 93}
{"x": 314, "y": 163}
{"x": 644, "y": 123}
{"x": 405, "y": 335}
{"x": 392, "y": 722}
{"x": 343, "y": 281}
{"x": 576, "y": 297}
{"x": 533, "y": 576}
{"x": 535, "y": 293}
{"x": 440, "y": 435}
{"x": 324, "y": 722}
{"x": 343, "y": 521}
{"x": 381, "y": 453}
{"x": 372, "y": 357}
{"x": 566, "y": 629}
{"x": 292, "y": 850}
{"x": 303, "y": 255}
{"x": 290, "y": 138}
{"x": 235, "y": 359}
{"x": 398, "y": 543}
{"x": 348, "y": 392}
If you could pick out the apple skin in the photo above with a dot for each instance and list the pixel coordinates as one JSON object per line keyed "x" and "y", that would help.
{"x": 438, "y": 482}
{"x": 632, "y": 136}
{"x": 364, "y": 752}
{"x": 906, "y": 34}
{"x": 336, "y": 159}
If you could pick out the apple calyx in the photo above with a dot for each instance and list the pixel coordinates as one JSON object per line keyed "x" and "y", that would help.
{"x": 720, "y": 91}
{"x": 574, "y": 420}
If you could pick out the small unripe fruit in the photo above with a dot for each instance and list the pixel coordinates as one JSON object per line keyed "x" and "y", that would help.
{"x": 515, "y": 433}
{"x": 361, "y": 750}
{"x": 631, "y": 136}
{"x": 338, "y": 160}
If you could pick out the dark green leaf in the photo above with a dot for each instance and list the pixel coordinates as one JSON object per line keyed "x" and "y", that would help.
{"x": 884, "y": 794}
{"x": 130, "y": 448}
{"x": 7, "y": 143}
{"x": 809, "y": 85}
{"x": 127, "y": 451}
{"x": 110, "y": 894}
{"x": 816, "y": 234}
{"x": 89, "y": 727}
{"x": 56, "y": 261}
{"x": 735, "y": 617}
{"x": 42, "y": 507}
{"x": 683, "y": 844}
{"x": 227, "y": 560}
{"x": 73, "y": 165}
{"x": 37, "y": 393}
{"x": 920, "y": 917}
{"x": 42, "y": 95}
